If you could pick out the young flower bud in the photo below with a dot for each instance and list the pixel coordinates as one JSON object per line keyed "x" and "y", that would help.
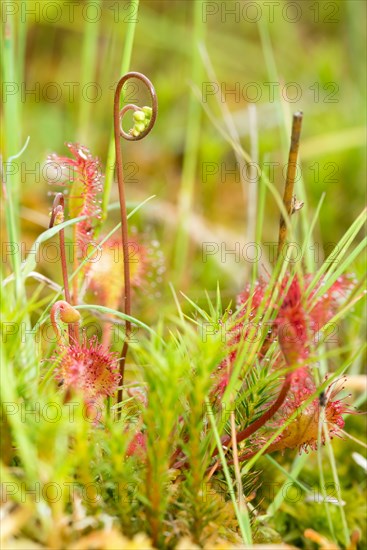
{"x": 148, "y": 112}
{"x": 66, "y": 313}
{"x": 139, "y": 127}
{"x": 139, "y": 116}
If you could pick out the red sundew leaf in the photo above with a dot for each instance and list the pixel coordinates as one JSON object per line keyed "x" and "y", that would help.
{"x": 88, "y": 367}
{"x": 296, "y": 315}
{"x": 82, "y": 173}
{"x": 104, "y": 273}
{"x": 137, "y": 446}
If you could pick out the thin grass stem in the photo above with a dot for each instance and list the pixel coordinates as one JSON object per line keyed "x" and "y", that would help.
{"x": 125, "y": 66}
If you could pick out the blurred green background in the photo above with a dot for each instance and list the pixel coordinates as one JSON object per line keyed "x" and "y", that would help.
{"x": 68, "y": 58}
{"x": 61, "y": 61}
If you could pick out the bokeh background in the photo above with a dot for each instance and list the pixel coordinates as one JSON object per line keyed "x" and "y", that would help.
{"x": 61, "y": 61}
{"x": 270, "y": 60}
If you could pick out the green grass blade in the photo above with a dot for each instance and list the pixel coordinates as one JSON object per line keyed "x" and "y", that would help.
{"x": 125, "y": 67}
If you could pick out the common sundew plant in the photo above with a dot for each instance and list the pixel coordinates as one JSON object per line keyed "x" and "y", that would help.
{"x": 194, "y": 427}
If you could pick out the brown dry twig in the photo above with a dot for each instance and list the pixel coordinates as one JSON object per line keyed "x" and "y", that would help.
{"x": 289, "y": 200}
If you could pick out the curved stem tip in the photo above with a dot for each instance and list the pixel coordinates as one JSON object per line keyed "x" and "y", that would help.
{"x": 133, "y": 135}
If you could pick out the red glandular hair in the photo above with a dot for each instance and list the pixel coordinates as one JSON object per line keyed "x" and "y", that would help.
{"x": 88, "y": 368}
{"x": 82, "y": 175}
